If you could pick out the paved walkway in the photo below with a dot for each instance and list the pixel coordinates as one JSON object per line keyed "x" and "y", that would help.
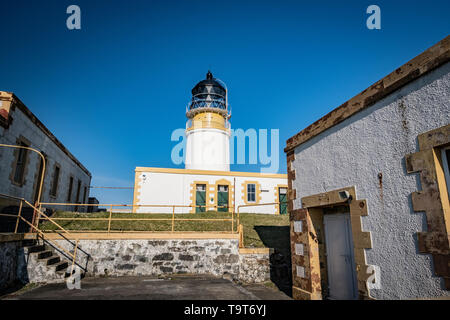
{"x": 149, "y": 288}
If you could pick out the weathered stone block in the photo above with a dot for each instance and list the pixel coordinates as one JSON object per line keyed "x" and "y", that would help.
{"x": 126, "y": 266}
{"x": 163, "y": 256}
{"x": 186, "y": 257}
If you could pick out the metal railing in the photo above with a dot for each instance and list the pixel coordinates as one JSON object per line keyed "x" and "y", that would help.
{"x": 236, "y": 226}
{"x": 65, "y": 234}
{"x": 173, "y": 220}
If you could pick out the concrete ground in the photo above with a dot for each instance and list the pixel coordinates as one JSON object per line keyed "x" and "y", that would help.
{"x": 186, "y": 287}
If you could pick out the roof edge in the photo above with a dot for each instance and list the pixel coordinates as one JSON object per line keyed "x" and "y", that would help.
{"x": 425, "y": 62}
{"x": 211, "y": 172}
{"x": 22, "y": 107}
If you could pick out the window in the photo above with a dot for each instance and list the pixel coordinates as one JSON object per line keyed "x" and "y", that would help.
{"x": 55, "y": 181}
{"x": 20, "y": 164}
{"x": 40, "y": 177}
{"x": 69, "y": 196}
{"x": 251, "y": 192}
{"x": 84, "y": 194}
{"x": 78, "y": 191}
{"x": 446, "y": 164}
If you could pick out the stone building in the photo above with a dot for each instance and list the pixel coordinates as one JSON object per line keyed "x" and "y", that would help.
{"x": 66, "y": 180}
{"x": 369, "y": 189}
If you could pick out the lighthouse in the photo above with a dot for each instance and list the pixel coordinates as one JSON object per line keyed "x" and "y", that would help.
{"x": 208, "y": 126}
{"x": 206, "y": 183}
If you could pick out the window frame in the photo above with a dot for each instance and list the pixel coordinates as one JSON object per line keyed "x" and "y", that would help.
{"x": 446, "y": 167}
{"x": 24, "y": 153}
{"x": 69, "y": 195}
{"x": 77, "y": 198}
{"x": 84, "y": 194}
{"x": 55, "y": 181}
{"x": 249, "y": 192}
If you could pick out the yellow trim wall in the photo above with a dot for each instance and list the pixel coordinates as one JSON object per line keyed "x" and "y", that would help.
{"x": 136, "y": 190}
{"x": 211, "y": 172}
{"x": 208, "y": 120}
{"x": 167, "y": 188}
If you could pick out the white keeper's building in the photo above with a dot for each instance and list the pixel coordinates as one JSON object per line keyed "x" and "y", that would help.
{"x": 207, "y": 184}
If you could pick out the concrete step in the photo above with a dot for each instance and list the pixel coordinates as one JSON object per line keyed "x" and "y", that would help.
{"x": 45, "y": 254}
{"x": 36, "y": 248}
{"x": 29, "y": 243}
{"x": 52, "y": 260}
{"x": 61, "y": 266}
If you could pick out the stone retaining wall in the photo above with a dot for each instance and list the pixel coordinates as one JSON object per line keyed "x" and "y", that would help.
{"x": 254, "y": 267}
{"x": 10, "y": 254}
{"x": 178, "y": 256}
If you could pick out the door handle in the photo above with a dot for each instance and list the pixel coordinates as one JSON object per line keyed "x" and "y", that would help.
{"x": 346, "y": 257}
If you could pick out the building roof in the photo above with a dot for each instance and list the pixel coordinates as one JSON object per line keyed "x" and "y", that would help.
{"x": 5, "y": 120}
{"x": 211, "y": 172}
{"x": 427, "y": 61}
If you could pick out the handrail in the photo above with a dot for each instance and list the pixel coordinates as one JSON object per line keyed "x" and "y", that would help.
{"x": 134, "y": 205}
{"x": 43, "y": 167}
{"x": 110, "y": 218}
{"x": 40, "y": 232}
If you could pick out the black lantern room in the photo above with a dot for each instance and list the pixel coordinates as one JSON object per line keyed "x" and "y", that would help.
{"x": 209, "y": 93}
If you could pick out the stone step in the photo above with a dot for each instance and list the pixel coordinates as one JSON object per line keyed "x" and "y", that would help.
{"x": 36, "y": 248}
{"x": 52, "y": 260}
{"x": 29, "y": 243}
{"x": 61, "y": 266}
{"x": 45, "y": 254}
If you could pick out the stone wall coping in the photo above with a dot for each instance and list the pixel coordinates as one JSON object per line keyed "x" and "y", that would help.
{"x": 142, "y": 235}
{"x": 255, "y": 250}
{"x": 8, "y": 237}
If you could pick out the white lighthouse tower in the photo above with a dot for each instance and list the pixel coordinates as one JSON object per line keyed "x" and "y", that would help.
{"x": 206, "y": 183}
{"x": 208, "y": 127}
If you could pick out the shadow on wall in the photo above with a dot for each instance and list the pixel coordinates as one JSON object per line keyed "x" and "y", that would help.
{"x": 13, "y": 276}
{"x": 8, "y": 224}
{"x": 278, "y": 238}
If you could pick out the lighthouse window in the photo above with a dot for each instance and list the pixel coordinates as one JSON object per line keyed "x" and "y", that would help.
{"x": 251, "y": 192}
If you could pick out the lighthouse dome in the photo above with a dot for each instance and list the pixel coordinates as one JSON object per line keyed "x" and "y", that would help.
{"x": 208, "y": 93}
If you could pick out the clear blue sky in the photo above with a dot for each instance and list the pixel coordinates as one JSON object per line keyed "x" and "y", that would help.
{"x": 114, "y": 91}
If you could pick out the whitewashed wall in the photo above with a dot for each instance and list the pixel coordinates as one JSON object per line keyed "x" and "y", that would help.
{"x": 376, "y": 140}
{"x": 208, "y": 149}
{"x": 175, "y": 189}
